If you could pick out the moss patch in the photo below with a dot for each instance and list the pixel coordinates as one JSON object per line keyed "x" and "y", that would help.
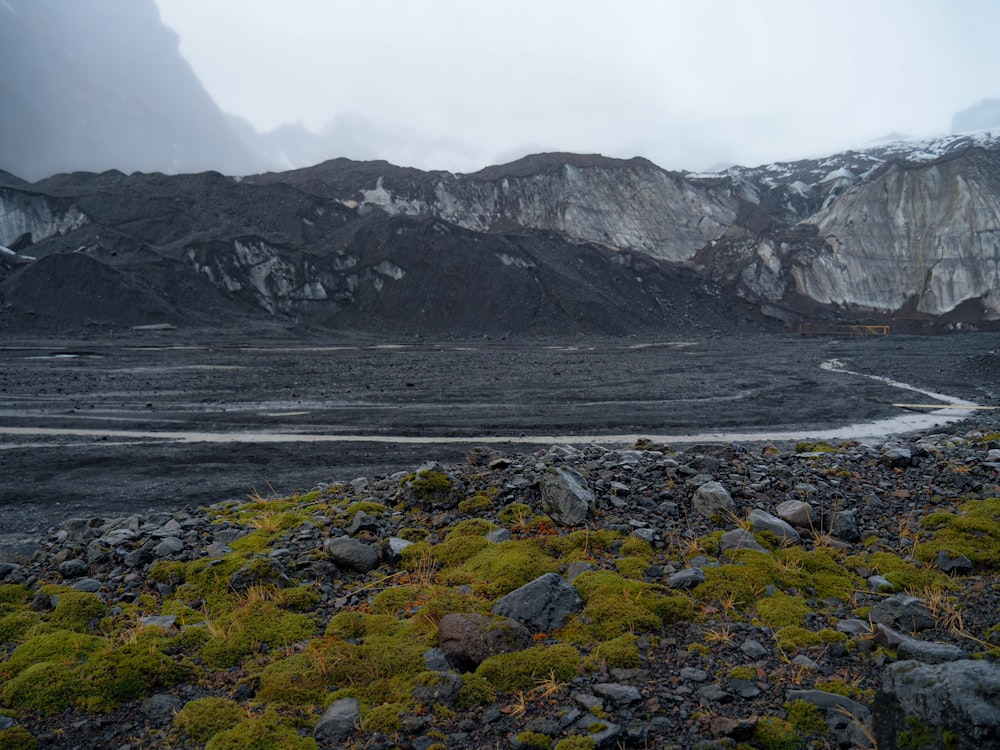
{"x": 521, "y": 670}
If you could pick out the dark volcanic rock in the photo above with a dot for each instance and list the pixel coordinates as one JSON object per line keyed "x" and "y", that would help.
{"x": 468, "y": 638}
{"x": 956, "y": 704}
{"x": 541, "y": 605}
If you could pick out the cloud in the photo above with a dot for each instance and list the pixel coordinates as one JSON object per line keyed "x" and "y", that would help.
{"x": 685, "y": 84}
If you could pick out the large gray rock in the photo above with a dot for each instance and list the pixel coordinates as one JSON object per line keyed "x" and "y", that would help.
{"x": 712, "y": 499}
{"x": 903, "y": 612}
{"x": 469, "y": 638}
{"x": 687, "y": 578}
{"x": 958, "y": 701}
{"x": 797, "y": 513}
{"x": 353, "y": 554}
{"x": 566, "y": 497}
{"x": 339, "y": 720}
{"x": 764, "y": 521}
{"x": 541, "y": 605}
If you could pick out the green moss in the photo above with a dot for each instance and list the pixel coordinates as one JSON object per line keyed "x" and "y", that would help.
{"x": 475, "y": 504}
{"x": 521, "y": 670}
{"x": 622, "y": 651}
{"x": 633, "y": 546}
{"x": 203, "y": 717}
{"x": 75, "y": 610}
{"x": 65, "y": 647}
{"x": 457, "y": 548}
{"x": 115, "y": 674}
{"x": 575, "y": 743}
{"x": 17, "y": 738}
{"x": 614, "y": 606}
{"x": 266, "y": 732}
{"x": 974, "y": 532}
{"x": 15, "y": 593}
{"x": 581, "y": 544}
{"x": 820, "y": 446}
{"x": 742, "y": 673}
{"x": 15, "y": 626}
{"x": 476, "y": 690}
{"x": 500, "y": 568}
{"x": 168, "y": 571}
{"x": 807, "y": 718}
{"x": 382, "y": 659}
{"x": 46, "y": 688}
{"x": 901, "y": 573}
{"x": 516, "y": 514}
{"x": 297, "y": 680}
{"x": 780, "y": 610}
{"x": 794, "y": 637}
{"x": 386, "y": 718}
{"x": 369, "y": 507}
{"x": 772, "y": 733}
{"x": 534, "y": 740}
{"x": 252, "y": 624}
{"x": 632, "y": 567}
{"x": 429, "y": 489}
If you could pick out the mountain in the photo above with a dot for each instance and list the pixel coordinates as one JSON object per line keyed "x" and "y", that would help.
{"x": 100, "y": 85}
{"x": 905, "y": 233}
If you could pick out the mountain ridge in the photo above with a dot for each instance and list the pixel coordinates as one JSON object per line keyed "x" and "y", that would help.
{"x": 903, "y": 233}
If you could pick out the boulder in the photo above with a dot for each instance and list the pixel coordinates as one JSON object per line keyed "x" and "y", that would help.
{"x": 954, "y": 705}
{"x": 764, "y": 521}
{"x": 338, "y": 721}
{"x": 712, "y": 499}
{"x": 566, "y": 497}
{"x": 352, "y": 554}
{"x": 904, "y": 612}
{"x": 687, "y": 578}
{"x": 797, "y": 513}
{"x": 542, "y": 605}
{"x": 468, "y": 638}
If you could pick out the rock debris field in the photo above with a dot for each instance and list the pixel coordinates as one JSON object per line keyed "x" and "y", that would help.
{"x": 802, "y": 592}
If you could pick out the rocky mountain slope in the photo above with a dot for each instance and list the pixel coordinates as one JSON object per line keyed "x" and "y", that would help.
{"x": 907, "y": 233}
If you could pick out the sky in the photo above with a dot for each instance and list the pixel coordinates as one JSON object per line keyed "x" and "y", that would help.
{"x": 698, "y": 84}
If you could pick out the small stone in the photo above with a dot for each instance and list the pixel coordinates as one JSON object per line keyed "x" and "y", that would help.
{"x": 714, "y": 694}
{"x": 498, "y": 535}
{"x": 361, "y": 522}
{"x": 687, "y": 578}
{"x": 958, "y": 565}
{"x": 754, "y": 649}
{"x": 880, "y": 585}
{"x": 89, "y": 585}
{"x": 72, "y": 568}
{"x": 619, "y": 695}
{"x": 395, "y": 546}
{"x": 171, "y": 545}
{"x": 694, "y": 674}
{"x": 164, "y": 622}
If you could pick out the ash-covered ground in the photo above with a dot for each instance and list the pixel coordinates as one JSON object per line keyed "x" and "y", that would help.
{"x": 154, "y": 420}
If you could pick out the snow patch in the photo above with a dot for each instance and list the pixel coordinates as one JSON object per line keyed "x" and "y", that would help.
{"x": 510, "y": 260}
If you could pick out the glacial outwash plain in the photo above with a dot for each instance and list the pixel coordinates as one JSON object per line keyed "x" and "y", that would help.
{"x": 358, "y": 456}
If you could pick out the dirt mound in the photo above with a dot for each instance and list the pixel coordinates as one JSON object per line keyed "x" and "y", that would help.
{"x": 74, "y": 291}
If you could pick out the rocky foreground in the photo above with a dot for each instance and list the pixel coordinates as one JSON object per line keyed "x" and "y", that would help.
{"x": 826, "y": 595}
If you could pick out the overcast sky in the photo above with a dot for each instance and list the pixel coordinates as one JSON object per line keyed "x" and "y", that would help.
{"x": 460, "y": 84}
